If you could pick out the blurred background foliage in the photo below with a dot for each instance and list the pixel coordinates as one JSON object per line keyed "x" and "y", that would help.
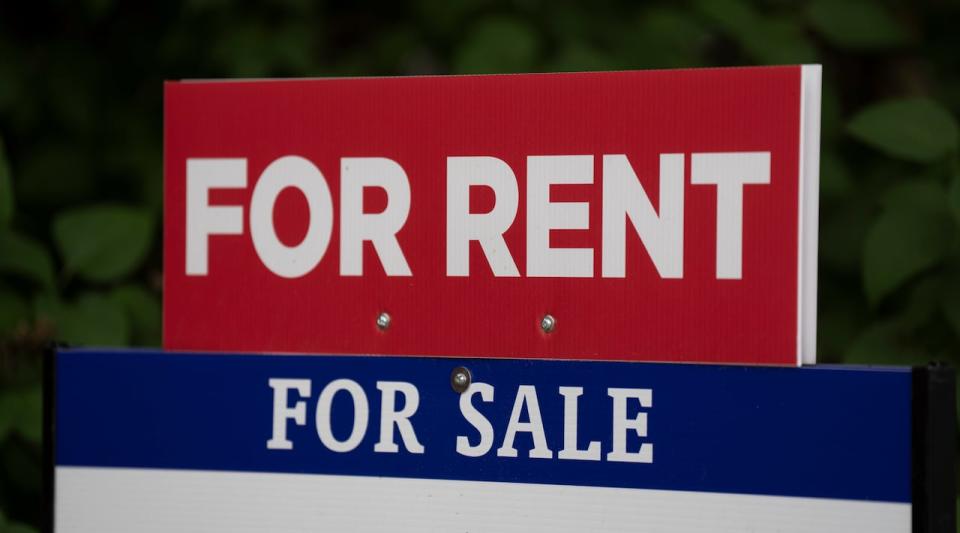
{"x": 81, "y": 146}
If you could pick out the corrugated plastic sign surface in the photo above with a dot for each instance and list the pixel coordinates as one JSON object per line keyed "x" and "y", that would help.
{"x": 659, "y": 216}
{"x": 150, "y": 441}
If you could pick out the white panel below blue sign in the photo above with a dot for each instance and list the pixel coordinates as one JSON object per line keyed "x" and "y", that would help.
{"x": 107, "y": 500}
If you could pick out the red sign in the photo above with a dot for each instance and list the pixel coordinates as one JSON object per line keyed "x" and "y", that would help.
{"x": 659, "y": 216}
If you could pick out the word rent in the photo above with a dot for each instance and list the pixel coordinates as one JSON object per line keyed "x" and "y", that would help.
{"x": 624, "y": 203}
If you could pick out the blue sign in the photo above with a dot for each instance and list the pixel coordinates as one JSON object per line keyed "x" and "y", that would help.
{"x": 686, "y": 435}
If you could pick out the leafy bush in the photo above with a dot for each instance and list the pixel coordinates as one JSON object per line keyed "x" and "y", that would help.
{"x": 81, "y": 148}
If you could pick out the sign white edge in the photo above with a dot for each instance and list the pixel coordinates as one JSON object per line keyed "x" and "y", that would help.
{"x": 809, "y": 193}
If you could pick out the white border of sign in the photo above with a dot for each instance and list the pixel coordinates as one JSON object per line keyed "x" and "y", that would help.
{"x": 810, "y": 82}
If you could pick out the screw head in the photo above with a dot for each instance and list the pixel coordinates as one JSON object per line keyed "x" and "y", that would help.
{"x": 548, "y": 323}
{"x": 383, "y": 321}
{"x": 460, "y": 379}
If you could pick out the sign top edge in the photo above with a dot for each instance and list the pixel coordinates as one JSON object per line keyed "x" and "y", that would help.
{"x": 483, "y": 75}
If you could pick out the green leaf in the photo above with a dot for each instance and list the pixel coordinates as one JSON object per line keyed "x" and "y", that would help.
{"x": 855, "y": 24}
{"x": 663, "y": 37}
{"x": 921, "y": 304}
{"x": 842, "y": 234}
{"x": 253, "y": 49}
{"x": 13, "y": 311}
{"x": 881, "y": 344}
{"x": 777, "y": 41}
{"x": 93, "y": 319}
{"x": 834, "y": 177}
{"x": 498, "y": 45}
{"x": 103, "y": 243}
{"x": 98, "y": 9}
{"x": 950, "y": 304}
{"x": 953, "y": 198}
{"x": 446, "y": 16}
{"x": 22, "y": 467}
{"x": 915, "y": 129}
{"x": 46, "y": 307}
{"x": 921, "y": 196}
{"x": 6, "y": 190}
{"x": 577, "y": 57}
{"x": 14, "y": 527}
{"x": 21, "y": 412}
{"x": 732, "y": 16}
{"x": 831, "y": 121}
{"x": 55, "y": 175}
{"x": 840, "y": 318}
{"x": 26, "y": 258}
{"x": 17, "y": 527}
{"x": 770, "y": 40}
{"x": 901, "y": 244}
{"x": 143, "y": 313}
{"x": 12, "y": 77}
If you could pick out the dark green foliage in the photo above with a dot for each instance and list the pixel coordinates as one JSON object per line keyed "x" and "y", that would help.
{"x": 102, "y": 243}
{"x": 81, "y": 148}
{"x": 916, "y": 129}
{"x": 498, "y": 44}
{"x": 913, "y": 233}
{"x": 26, "y": 259}
{"x": 856, "y": 24}
{"x": 6, "y": 191}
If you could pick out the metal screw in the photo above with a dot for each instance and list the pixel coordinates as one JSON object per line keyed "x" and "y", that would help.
{"x": 460, "y": 379}
{"x": 548, "y": 323}
{"x": 383, "y": 321}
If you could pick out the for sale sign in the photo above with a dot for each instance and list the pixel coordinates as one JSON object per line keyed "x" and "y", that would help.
{"x": 667, "y": 215}
{"x": 147, "y": 441}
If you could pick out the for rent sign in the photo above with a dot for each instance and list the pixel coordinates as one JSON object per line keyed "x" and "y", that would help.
{"x": 634, "y": 215}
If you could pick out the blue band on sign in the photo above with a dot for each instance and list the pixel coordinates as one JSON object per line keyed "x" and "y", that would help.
{"x": 828, "y": 432}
